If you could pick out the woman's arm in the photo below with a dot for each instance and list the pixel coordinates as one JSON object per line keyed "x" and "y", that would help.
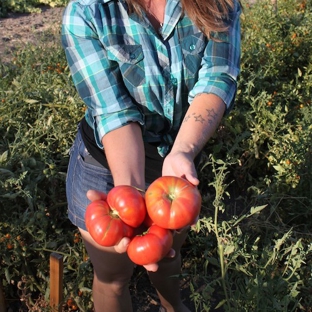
{"x": 124, "y": 151}
{"x": 212, "y": 95}
{"x": 97, "y": 78}
{"x": 199, "y": 124}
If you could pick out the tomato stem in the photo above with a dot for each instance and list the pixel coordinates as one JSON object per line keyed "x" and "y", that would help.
{"x": 114, "y": 213}
{"x": 172, "y": 194}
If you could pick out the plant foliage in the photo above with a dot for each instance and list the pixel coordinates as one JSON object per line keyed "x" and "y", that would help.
{"x": 27, "y": 6}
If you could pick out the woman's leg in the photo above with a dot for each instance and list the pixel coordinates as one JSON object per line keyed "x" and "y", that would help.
{"x": 167, "y": 286}
{"x": 112, "y": 274}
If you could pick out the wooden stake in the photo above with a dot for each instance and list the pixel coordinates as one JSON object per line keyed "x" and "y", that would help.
{"x": 56, "y": 281}
{"x": 2, "y": 299}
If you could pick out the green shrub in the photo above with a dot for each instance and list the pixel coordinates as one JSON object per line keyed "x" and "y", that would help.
{"x": 38, "y": 119}
{"x": 27, "y": 6}
{"x": 256, "y": 225}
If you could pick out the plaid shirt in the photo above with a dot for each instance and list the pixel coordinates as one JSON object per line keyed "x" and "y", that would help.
{"x": 125, "y": 71}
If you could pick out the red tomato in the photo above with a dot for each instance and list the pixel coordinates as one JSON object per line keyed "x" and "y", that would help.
{"x": 129, "y": 203}
{"x": 172, "y": 202}
{"x": 150, "y": 247}
{"x": 148, "y": 221}
{"x": 104, "y": 225}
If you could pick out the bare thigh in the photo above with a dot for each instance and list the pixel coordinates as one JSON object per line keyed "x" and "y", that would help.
{"x": 109, "y": 266}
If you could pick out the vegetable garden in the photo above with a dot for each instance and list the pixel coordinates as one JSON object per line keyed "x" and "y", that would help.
{"x": 251, "y": 249}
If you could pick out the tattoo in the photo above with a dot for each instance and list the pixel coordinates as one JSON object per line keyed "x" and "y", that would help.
{"x": 211, "y": 114}
{"x": 209, "y": 123}
{"x": 186, "y": 118}
{"x": 199, "y": 118}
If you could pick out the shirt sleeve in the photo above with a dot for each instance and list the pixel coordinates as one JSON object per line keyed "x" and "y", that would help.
{"x": 221, "y": 63}
{"x": 96, "y": 77}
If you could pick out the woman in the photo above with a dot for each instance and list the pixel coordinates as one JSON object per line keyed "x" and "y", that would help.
{"x": 157, "y": 76}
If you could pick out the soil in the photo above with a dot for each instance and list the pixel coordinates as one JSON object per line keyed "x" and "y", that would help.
{"x": 18, "y": 29}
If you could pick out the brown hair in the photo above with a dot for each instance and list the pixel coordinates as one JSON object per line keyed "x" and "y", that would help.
{"x": 208, "y": 15}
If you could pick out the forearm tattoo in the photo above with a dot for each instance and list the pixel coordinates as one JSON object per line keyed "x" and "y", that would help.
{"x": 210, "y": 117}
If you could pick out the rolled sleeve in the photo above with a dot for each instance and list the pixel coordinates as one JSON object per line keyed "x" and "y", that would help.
{"x": 107, "y": 122}
{"x": 97, "y": 79}
{"x": 221, "y": 64}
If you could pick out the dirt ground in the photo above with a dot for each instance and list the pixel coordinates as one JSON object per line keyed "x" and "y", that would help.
{"x": 18, "y": 29}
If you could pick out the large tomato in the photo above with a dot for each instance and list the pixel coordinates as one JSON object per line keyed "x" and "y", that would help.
{"x": 150, "y": 247}
{"x": 104, "y": 225}
{"x": 172, "y": 202}
{"x": 129, "y": 204}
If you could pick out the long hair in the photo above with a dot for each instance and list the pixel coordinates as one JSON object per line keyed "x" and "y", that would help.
{"x": 208, "y": 15}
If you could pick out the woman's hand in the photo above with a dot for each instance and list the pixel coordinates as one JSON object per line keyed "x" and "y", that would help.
{"x": 93, "y": 195}
{"x": 181, "y": 165}
{"x": 122, "y": 246}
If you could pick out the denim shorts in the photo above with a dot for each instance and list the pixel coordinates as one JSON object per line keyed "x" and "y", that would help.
{"x": 84, "y": 173}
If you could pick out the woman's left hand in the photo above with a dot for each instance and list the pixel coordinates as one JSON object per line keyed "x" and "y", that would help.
{"x": 180, "y": 165}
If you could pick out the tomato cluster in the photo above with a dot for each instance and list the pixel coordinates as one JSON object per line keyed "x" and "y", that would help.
{"x": 170, "y": 203}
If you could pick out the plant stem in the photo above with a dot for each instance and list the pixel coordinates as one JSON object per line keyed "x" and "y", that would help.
{"x": 219, "y": 191}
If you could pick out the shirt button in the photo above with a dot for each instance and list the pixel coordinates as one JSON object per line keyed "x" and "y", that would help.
{"x": 192, "y": 47}
{"x": 173, "y": 80}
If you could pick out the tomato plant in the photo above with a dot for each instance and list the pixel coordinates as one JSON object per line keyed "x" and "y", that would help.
{"x": 104, "y": 224}
{"x": 172, "y": 202}
{"x": 151, "y": 246}
{"x": 129, "y": 204}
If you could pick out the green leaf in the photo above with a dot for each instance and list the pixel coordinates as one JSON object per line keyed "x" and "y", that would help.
{"x": 220, "y": 304}
{"x": 254, "y": 210}
{"x": 229, "y": 249}
{"x": 4, "y": 156}
{"x": 31, "y": 101}
{"x": 7, "y": 275}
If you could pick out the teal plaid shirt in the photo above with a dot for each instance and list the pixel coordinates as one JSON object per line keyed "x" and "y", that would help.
{"x": 125, "y": 71}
